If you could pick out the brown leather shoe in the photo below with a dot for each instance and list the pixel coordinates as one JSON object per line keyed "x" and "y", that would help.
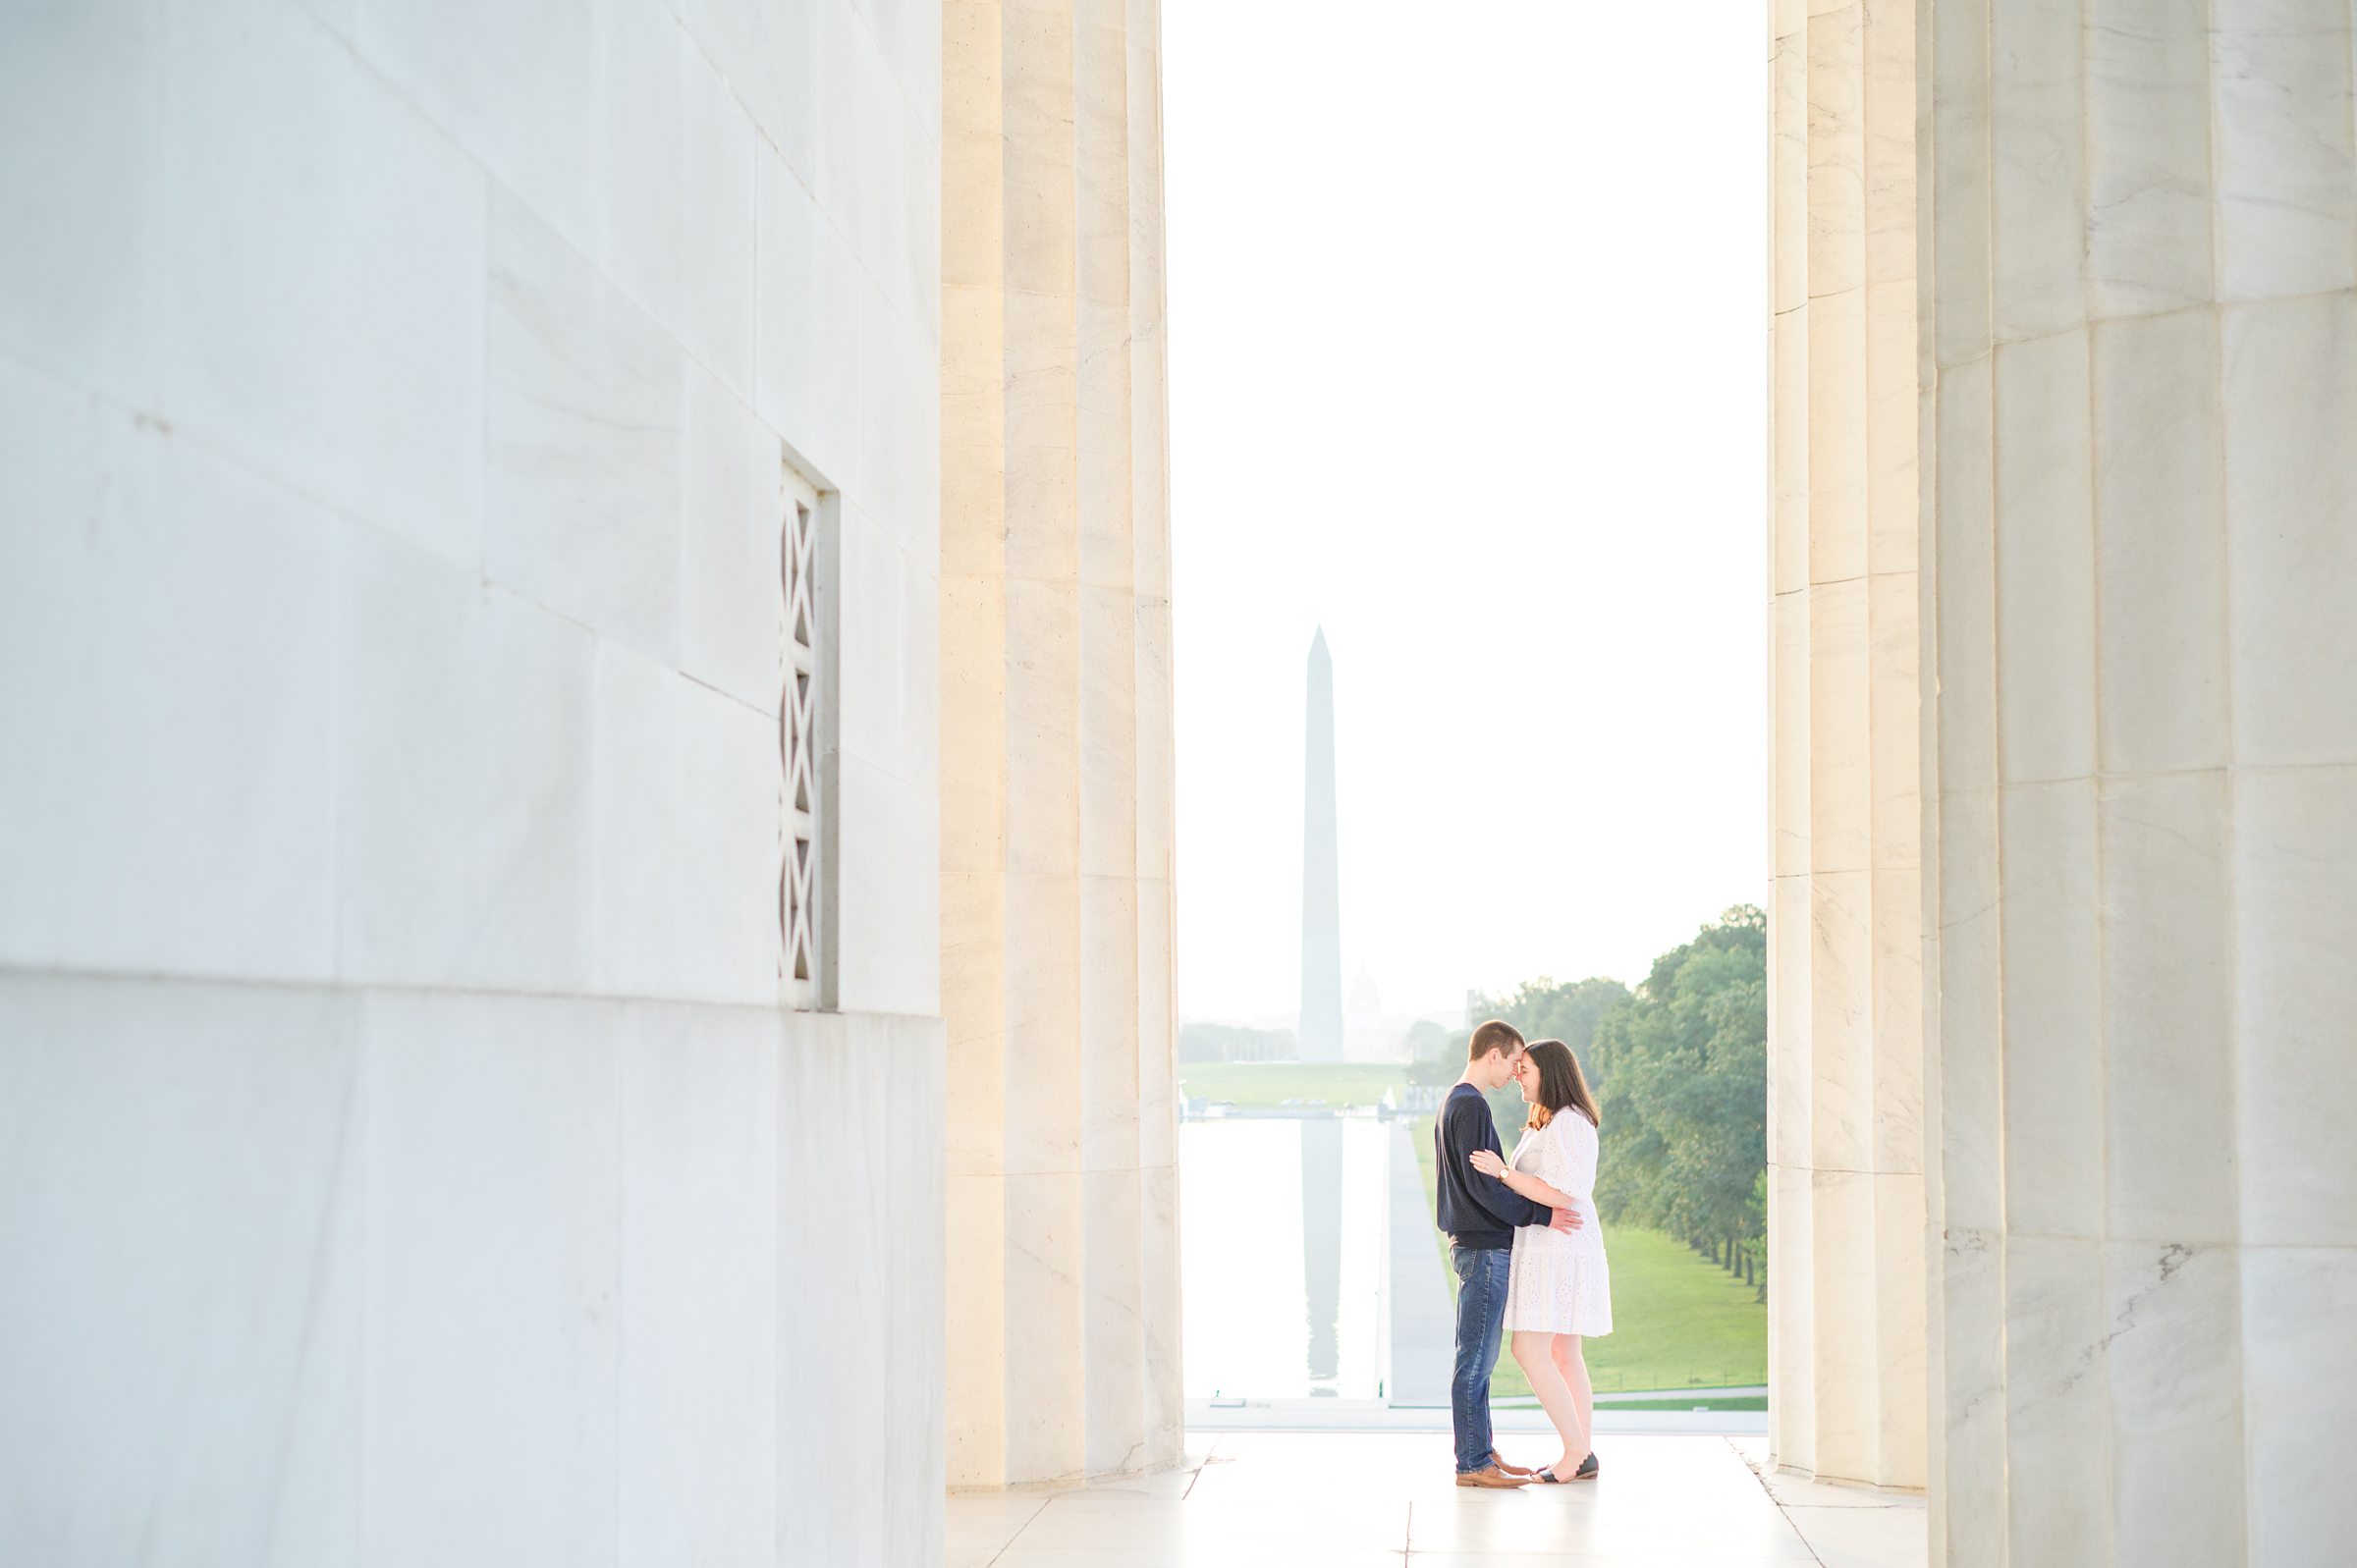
{"x": 1498, "y": 1459}
{"x": 1492, "y": 1477}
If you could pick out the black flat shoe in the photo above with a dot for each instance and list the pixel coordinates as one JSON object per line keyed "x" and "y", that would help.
{"x": 1588, "y": 1469}
{"x": 1546, "y": 1478}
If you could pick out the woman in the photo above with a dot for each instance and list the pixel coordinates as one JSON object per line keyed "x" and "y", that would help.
{"x": 1557, "y": 1291}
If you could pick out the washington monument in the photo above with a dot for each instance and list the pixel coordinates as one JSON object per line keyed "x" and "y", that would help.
{"x": 1321, "y": 1023}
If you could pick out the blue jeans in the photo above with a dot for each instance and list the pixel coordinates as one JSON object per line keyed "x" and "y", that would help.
{"x": 1480, "y": 1330}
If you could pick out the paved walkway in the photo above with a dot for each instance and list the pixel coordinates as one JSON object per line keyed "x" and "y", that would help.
{"x": 1256, "y": 1499}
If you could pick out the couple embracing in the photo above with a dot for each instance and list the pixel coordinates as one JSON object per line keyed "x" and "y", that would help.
{"x": 1528, "y": 1253}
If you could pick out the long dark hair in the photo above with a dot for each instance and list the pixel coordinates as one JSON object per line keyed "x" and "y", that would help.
{"x": 1560, "y": 1084}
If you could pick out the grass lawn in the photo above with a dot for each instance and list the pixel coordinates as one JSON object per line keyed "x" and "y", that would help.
{"x": 1679, "y": 1319}
{"x": 1262, "y": 1084}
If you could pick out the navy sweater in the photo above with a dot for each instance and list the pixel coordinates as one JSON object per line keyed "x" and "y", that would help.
{"x": 1476, "y": 1210}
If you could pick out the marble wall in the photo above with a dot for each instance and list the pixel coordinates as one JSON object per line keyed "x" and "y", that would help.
{"x": 402, "y": 1154}
{"x": 2141, "y": 303}
{"x": 1056, "y": 704}
{"x": 1845, "y": 961}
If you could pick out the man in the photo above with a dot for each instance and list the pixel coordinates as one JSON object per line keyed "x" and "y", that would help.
{"x": 1480, "y": 1213}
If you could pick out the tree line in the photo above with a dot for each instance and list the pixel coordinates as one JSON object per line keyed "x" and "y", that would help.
{"x": 1679, "y": 1067}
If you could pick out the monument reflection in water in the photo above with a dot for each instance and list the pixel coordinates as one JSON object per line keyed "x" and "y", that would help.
{"x": 1285, "y": 1232}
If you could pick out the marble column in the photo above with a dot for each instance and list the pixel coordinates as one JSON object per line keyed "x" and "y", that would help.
{"x": 1846, "y": 1043}
{"x": 2143, "y": 312}
{"x": 1057, "y": 743}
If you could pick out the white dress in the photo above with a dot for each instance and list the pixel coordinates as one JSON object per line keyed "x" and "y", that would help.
{"x": 1558, "y": 1283}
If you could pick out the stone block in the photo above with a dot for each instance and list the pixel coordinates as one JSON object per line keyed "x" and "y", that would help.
{"x": 2052, "y": 1007}
{"x": 697, "y": 1310}
{"x": 77, "y": 275}
{"x": 1110, "y": 809}
{"x": 2159, "y": 543}
{"x": 2167, "y": 1002}
{"x": 167, "y": 627}
{"x": 687, "y": 837}
{"x": 2285, "y": 213}
{"x": 975, "y": 1216}
{"x": 1044, "y": 957}
{"x": 1895, "y": 720}
{"x": 1789, "y": 777}
{"x": 1845, "y": 1293}
{"x": 1836, "y": 429}
{"x": 732, "y": 522}
{"x": 181, "y": 1315}
{"x": 1157, "y": 1030}
{"x": 1841, "y": 1045}
{"x": 2044, "y": 582}
{"x": 896, "y": 478}
{"x": 1897, "y": 1020}
{"x": 2036, "y": 130}
{"x": 1113, "y": 964}
{"x": 1789, "y": 452}
{"x": 1899, "y": 1329}
{"x": 2056, "y": 1391}
{"x": 462, "y": 764}
{"x": 2289, "y": 395}
{"x": 1965, "y": 580}
{"x": 519, "y": 83}
{"x": 1791, "y": 1083}
{"x": 888, "y": 633}
{"x": 1840, "y": 786}
{"x": 584, "y": 446}
{"x": 494, "y": 1237}
{"x": 1837, "y": 150}
{"x": 2175, "y": 1402}
{"x": 806, "y": 364}
{"x": 1043, "y": 755}
{"x": 765, "y": 53}
{"x": 1046, "y": 1388}
{"x": 887, "y": 892}
{"x": 334, "y": 343}
{"x": 2297, "y": 1359}
{"x": 2294, "y": 884}
{"x": 1971, "y": 1061}
{"x": 1970, "y": 1290}
{"x": 1113, "y": 1349}
{"x": 1963, "y": 273}
{"x": 2147, "y": 160}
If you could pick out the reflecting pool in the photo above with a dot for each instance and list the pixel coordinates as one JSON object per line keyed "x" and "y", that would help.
{"x": 1284, "y": 1232}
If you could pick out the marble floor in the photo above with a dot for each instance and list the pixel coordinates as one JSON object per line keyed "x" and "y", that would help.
{"x": 1254, "y": 1499}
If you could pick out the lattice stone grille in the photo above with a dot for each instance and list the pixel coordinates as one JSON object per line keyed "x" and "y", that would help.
{"x": 797, "y": 726}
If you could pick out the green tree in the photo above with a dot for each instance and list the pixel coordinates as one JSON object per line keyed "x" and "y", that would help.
{"x": 1680, "y": 1075}
{"x": 1545, "y": 1010}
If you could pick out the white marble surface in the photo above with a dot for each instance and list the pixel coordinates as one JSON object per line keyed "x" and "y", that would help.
{"x": 1845, "y": 906}
{"x": 396, "y": 405}
{"x": 465, "y": 1277}
{"x": 584, "y": 454}
{"x": 463, "y": 773}
{"x": 77, "y": 292}
{"x": 167, "y": 625}
{"x": 330, "y": 339}
{"x": 1238, "y": 1499}
{"x": 1056, "y": 808}
{"x": 180, "y": 1315}
{"x": 2145, "y": 823}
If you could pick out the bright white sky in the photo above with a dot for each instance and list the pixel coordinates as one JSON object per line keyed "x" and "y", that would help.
{"x": 1467, "y": 365}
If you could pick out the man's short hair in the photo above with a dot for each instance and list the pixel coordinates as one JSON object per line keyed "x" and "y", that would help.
{"x": 1496, "y": 1035}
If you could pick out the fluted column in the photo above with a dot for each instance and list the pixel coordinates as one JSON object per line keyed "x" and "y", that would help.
{"x": 1057, "y": 746}
{"x": 1846, "y": 1141}
{"x": 2144, "y": 314}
